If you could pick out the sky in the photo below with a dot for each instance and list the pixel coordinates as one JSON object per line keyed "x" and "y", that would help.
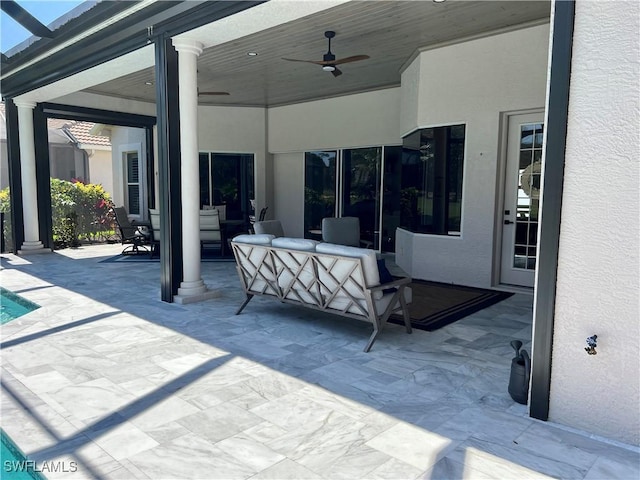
{"x": 46, "y": 11}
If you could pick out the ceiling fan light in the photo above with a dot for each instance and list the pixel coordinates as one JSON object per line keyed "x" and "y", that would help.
{"x": 328, "y": 68}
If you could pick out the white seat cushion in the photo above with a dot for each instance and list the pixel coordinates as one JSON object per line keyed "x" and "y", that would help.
{"x": 295, "y": 244}
{"x": 369, "y": 260}
{"x": 262, "y": 239}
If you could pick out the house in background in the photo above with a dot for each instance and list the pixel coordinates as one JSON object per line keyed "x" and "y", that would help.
{"x": 74, "y": 153}
{"x": 125, "y": 167}
{"x": 491, "y": 144}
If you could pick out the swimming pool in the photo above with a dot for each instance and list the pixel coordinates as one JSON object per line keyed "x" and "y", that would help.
{"x": 13, "y": 306}
{"x": 14, "y": 464}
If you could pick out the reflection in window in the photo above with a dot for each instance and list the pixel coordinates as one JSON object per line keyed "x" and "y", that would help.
{"x": 361, "y": 189}
{"x": 319, "y": 190}
{"x": 529, "y": 173}
{"x": 431, "y": 180}
{"x": 227, "y": 179}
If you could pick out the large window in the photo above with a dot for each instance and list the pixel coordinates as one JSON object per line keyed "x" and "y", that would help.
{"x": 227, "y": 179}
{"x": 431, "y": 180}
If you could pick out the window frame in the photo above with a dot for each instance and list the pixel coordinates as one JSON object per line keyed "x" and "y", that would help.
{"x": 125, "y": 150}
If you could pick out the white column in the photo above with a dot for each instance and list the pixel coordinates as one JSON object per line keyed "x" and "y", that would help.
{"x": 32, "y": 241}
{"x": 192, "y": 288}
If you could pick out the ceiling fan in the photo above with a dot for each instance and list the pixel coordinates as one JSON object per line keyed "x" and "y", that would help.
{"x": 212, "y": 93}
{"x": 329, "y": 60}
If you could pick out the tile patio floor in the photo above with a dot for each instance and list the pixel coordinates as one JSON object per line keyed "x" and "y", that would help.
{"x": 108, "y": 376}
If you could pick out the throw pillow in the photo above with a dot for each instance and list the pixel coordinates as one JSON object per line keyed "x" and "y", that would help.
{"x": 385, "y": 275}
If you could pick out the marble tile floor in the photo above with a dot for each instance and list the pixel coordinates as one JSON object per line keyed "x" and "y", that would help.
{"x": 106, "y": 381}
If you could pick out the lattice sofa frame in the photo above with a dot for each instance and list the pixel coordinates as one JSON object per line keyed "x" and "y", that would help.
{"x": 331, "y": 283}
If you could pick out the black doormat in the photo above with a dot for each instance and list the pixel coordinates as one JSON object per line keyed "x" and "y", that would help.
{"x": 436, "y": 305}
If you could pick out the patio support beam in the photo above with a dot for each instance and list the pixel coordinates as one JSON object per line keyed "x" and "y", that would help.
{"x": 31, "y": 243}
{"x": 192, "y": 287}
{"x": 551, "y": 206}
{"x": 166, "y": 73}
{"x": 15, "y": 176}
{"x": 43, "y": 176}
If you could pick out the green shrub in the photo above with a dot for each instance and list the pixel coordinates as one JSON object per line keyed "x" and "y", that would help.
{"x": 80, "y": 212}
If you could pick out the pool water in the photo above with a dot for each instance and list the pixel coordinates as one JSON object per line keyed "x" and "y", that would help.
{"x": 15, "y": 466}
{"x": 13, "y": 306}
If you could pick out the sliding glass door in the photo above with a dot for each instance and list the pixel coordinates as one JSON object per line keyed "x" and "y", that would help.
{"x": 360, "y": 197}
{"x": 345, "y": 183}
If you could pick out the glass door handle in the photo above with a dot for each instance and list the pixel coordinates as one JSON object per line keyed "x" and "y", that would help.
{"x": 508, "y": 222}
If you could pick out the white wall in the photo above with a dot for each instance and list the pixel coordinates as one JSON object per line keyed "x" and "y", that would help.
{"x": 126, "y": 139}
{"x": 599, "y": 268}
{"x": 471, "y": 83}
{"x": 359, "y": 120}
{"x": 288, "y": 174}
{"x": 100, "y": 169}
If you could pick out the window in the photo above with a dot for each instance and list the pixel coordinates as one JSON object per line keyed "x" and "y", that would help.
{"x": 431, "y": 180}
{"x": 344, "y": 183}
{"x": 132, "y": 181}
{"x": 319, "y": 190}
{"x": 227, "y": 179}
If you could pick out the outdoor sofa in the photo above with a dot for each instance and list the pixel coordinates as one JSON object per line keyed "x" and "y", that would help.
{"x": 323, "y": 276}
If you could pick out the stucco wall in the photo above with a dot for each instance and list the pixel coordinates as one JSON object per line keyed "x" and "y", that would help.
{"x": 363, "y": 119}
{"x": 100, "y": 169}
{"x": 599, "y": 268}
{"x": 288, "y": 173}
{"x": 471, "y": 83}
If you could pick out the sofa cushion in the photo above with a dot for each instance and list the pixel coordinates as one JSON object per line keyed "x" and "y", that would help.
{"x": 295, "y": 243}
{"x": 369, "y": 260}
{"x": 262, "y": 239}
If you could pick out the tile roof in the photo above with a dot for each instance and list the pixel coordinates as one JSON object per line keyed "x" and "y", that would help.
{"x": 80, "y": 132}
{"x": 77, "y": 132}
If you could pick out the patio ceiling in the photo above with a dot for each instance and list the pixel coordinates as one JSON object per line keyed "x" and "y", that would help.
{"x": 389, "y": 32}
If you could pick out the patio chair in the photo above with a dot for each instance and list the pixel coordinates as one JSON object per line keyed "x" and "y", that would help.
{"x": 154, "y": 239}
{"x": 210, "y": 230}
{"x": 343, "y": 231}
{"x": 130, "y": 234}
{"x": 273, "y": 227}
{"x": 252, "y": 219}
{"x": 222, "y": 210}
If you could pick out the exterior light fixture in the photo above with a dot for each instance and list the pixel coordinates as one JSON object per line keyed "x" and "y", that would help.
{"x": 148, "y": 83}
{"x": 439, "y": 1}
{"x": 328, "y": 68}
{"x": 252, "y": 54}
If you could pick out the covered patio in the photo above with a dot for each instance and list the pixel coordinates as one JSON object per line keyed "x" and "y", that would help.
{"x": 110, "y": 382}
{"x": 127, "y": 383}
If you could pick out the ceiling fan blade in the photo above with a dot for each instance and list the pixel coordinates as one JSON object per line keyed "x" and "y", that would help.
{"x": 214, "y": 93}
{"x": 354, "y": 58}
{"x": 336, "y": 72}
{"x": 306, "y": 61}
